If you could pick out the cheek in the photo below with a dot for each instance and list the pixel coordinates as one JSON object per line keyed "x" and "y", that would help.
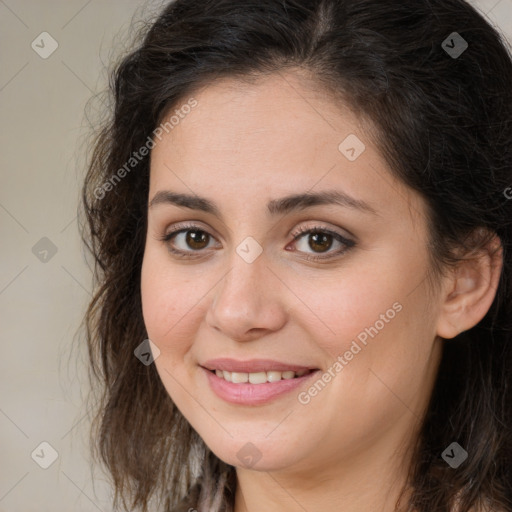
{"x": 339, "y": 310}
{"x": 170, "y": 313}
{"x": 377, "y": 319}
{"x": 164, "y": 303}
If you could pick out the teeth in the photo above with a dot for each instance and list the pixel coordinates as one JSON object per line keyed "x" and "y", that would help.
{"x": 258, "y": 377}
{"x": 239, "y": 377}
{"x": 274, "y": 376}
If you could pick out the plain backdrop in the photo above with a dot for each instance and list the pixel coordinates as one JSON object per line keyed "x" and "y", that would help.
{"x": 53, "y": 59}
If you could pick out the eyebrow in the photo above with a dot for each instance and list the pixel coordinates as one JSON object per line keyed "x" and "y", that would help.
{"x": 279, "y": 206}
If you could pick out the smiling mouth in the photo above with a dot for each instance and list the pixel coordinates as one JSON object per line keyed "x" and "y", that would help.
{"x": 259, "y": 377}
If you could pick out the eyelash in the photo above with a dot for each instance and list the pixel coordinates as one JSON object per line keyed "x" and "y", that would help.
{"x": 349, "y": 244}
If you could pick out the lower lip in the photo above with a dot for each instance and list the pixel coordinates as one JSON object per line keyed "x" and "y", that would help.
{"x": 253, "y": 394}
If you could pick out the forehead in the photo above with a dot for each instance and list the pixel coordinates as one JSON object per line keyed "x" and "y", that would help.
{"x": 276, "y": 136}
{"x": 233, "y": 113}
{"x": 279, "y": 125}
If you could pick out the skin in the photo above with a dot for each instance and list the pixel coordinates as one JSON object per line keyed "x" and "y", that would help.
{"x": 241, "y": 146}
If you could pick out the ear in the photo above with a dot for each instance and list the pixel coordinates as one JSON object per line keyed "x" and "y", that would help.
{"x": 470, "y": 289}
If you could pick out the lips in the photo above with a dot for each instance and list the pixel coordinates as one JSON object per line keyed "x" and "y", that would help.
{"x": 257, "y": 391}
{"x": 254, "y": 382}
{"x": 253, "y": 366}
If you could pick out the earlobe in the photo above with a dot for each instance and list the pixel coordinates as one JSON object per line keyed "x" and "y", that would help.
{"x": 470, "y": 290}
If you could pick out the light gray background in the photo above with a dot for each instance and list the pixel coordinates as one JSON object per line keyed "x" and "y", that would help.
{"x": 42, "y": 376}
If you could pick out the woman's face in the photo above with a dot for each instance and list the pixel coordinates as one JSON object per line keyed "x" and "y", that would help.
{"x": 243, "y": 289}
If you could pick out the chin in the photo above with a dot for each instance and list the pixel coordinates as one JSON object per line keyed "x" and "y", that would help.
{"x": 256, "y": 454}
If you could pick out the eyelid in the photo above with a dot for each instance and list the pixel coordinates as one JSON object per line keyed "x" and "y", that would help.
{"x": 185, "y": 226}
{"x": 348, "y": 237}
{"x": 196, "y": 224}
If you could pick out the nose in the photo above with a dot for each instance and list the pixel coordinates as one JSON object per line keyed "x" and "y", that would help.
{"x": 249, "y": 302}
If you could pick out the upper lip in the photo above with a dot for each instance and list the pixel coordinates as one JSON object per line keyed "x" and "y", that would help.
{"x": 252, "y": 365}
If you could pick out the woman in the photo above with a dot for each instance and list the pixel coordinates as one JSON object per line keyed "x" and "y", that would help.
{"x": 301, "y": 220}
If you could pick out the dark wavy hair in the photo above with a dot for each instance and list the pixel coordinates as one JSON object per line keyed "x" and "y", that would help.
{"x": 442, "y": 122}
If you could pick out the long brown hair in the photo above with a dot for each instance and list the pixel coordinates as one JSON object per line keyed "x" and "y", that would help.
{"x": 444, "y": 124}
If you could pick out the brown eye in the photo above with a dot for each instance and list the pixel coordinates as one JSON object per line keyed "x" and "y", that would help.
{"x": 320, "y": 242}
{"x": 195, "y": 239}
